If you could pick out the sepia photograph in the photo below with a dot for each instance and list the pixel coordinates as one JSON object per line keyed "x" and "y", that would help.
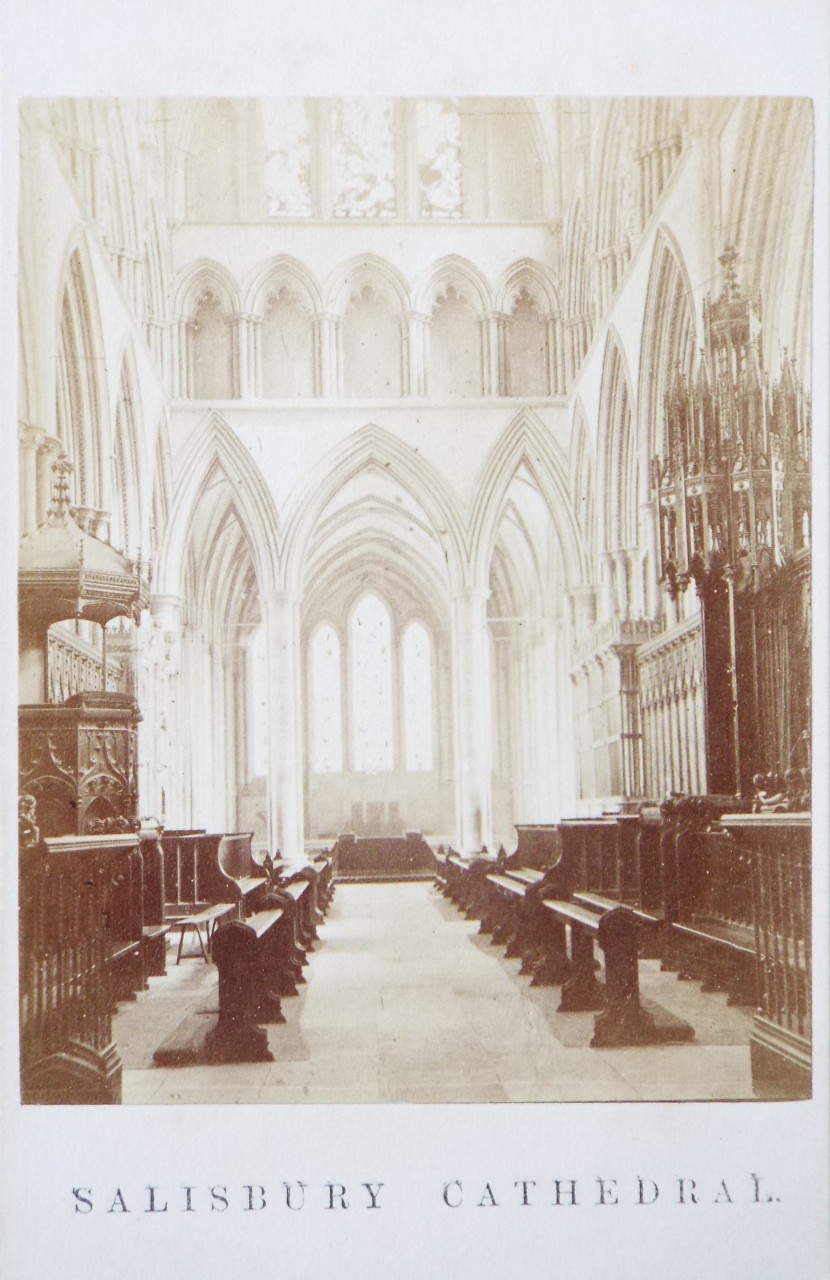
{"x": 414, "y": 600}
{"x": 414, "y": 670}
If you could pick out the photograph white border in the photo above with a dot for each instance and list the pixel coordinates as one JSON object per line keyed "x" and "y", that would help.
{"x": 722, "y": 47}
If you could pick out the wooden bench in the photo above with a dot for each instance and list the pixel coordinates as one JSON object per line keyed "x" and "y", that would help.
{"x": 298, "y": 891}
{"x": 245, "y": 955}
{"x": 209, "y": 917}
{"x": 622, "y": 1020}
{"x": 596, "y": 902}
{"x": 439, "y": 858}
{"x": 506, "y": 914}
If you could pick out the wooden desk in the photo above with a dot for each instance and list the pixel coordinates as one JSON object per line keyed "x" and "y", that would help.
{"x": 209, "y": 917}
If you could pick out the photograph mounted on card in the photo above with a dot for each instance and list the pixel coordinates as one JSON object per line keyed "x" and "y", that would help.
{"x": 415, "y": 599}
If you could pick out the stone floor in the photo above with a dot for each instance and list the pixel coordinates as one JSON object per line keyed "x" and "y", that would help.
{"x": 405, "y": 1002}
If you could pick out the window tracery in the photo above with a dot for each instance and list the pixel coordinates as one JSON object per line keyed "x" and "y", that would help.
{"x": 287, "y": 159}
{"x": 439, "y": 159}
{"x": 363, "y": 158}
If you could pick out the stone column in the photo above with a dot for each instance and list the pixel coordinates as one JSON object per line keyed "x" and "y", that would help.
{"x": 606, "y": 587}
{"x": 31, "y": 440}
{"x": 164, "y": 746}
{"x": 542, "y": 711}
{"x": 198, "y": 719}
{"x": 180, "y": 379}
{"x": 583, "y": 609}
{"x": 418, "y": 347}
{"x": 621, "y": 589}
{"x": 494, "y": 368}
{"x": 281, "y": 617}
{"x": 553, "y": 382}
{"x": 473, "y": 722}
{"x": 328, "y": 373}
{"x": 249, "y": 371}
{"x": 636, "y": 557}
{"x": 648, "y": 525}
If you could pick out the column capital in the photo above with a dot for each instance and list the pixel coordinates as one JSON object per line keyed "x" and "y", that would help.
{"x": 49, "y": 446}
{"x": 164, "y": 607}
{"x": 280, "y": 599}
{"x": 472, "y": 595}
{"x": 32, "y": 437}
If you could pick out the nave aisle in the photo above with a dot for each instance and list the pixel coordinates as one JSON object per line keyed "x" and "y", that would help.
{"x": 404, "y": 1002}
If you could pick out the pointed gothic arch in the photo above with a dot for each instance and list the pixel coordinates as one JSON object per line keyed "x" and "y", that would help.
{"x": 81, "y": 391}
{"x": 525, "y": 442}
{"x": 618, "y": 487}
{"x": 213, "y": 444}
{"x": 668, "y": 342}
{"x": 126, "y": 507}
{"x": 372, "y": 446}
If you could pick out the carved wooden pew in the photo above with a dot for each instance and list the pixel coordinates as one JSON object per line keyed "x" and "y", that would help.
{"x": 298, "y": 890}
{"x": 324, "y": 865}
{"x": 467, "y": 881}
{"x": 503, "y": 918}
{"x": 622, "y": 1020}
{"x": 201, "y": 869}
{"x": 245, "y": 954}
{"x": 439, "y": 857}
{"x": 227, "y": 872}
{"x": 155, "y": 927}
{"x": 590, "y": 849}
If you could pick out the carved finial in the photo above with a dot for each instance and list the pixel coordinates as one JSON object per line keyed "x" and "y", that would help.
{"x": 61, "y": 469}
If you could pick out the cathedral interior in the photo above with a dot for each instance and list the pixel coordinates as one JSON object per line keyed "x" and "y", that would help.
{"x": 414, "y": 598}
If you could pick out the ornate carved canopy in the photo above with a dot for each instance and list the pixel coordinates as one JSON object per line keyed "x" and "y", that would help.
{"x": 65, "y": 572}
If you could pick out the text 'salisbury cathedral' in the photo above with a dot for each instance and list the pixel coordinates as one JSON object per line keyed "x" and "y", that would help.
{"x": 414, "y": 599}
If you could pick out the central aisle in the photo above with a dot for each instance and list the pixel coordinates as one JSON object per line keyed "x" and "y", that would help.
{"x": 405, "y": 1002}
